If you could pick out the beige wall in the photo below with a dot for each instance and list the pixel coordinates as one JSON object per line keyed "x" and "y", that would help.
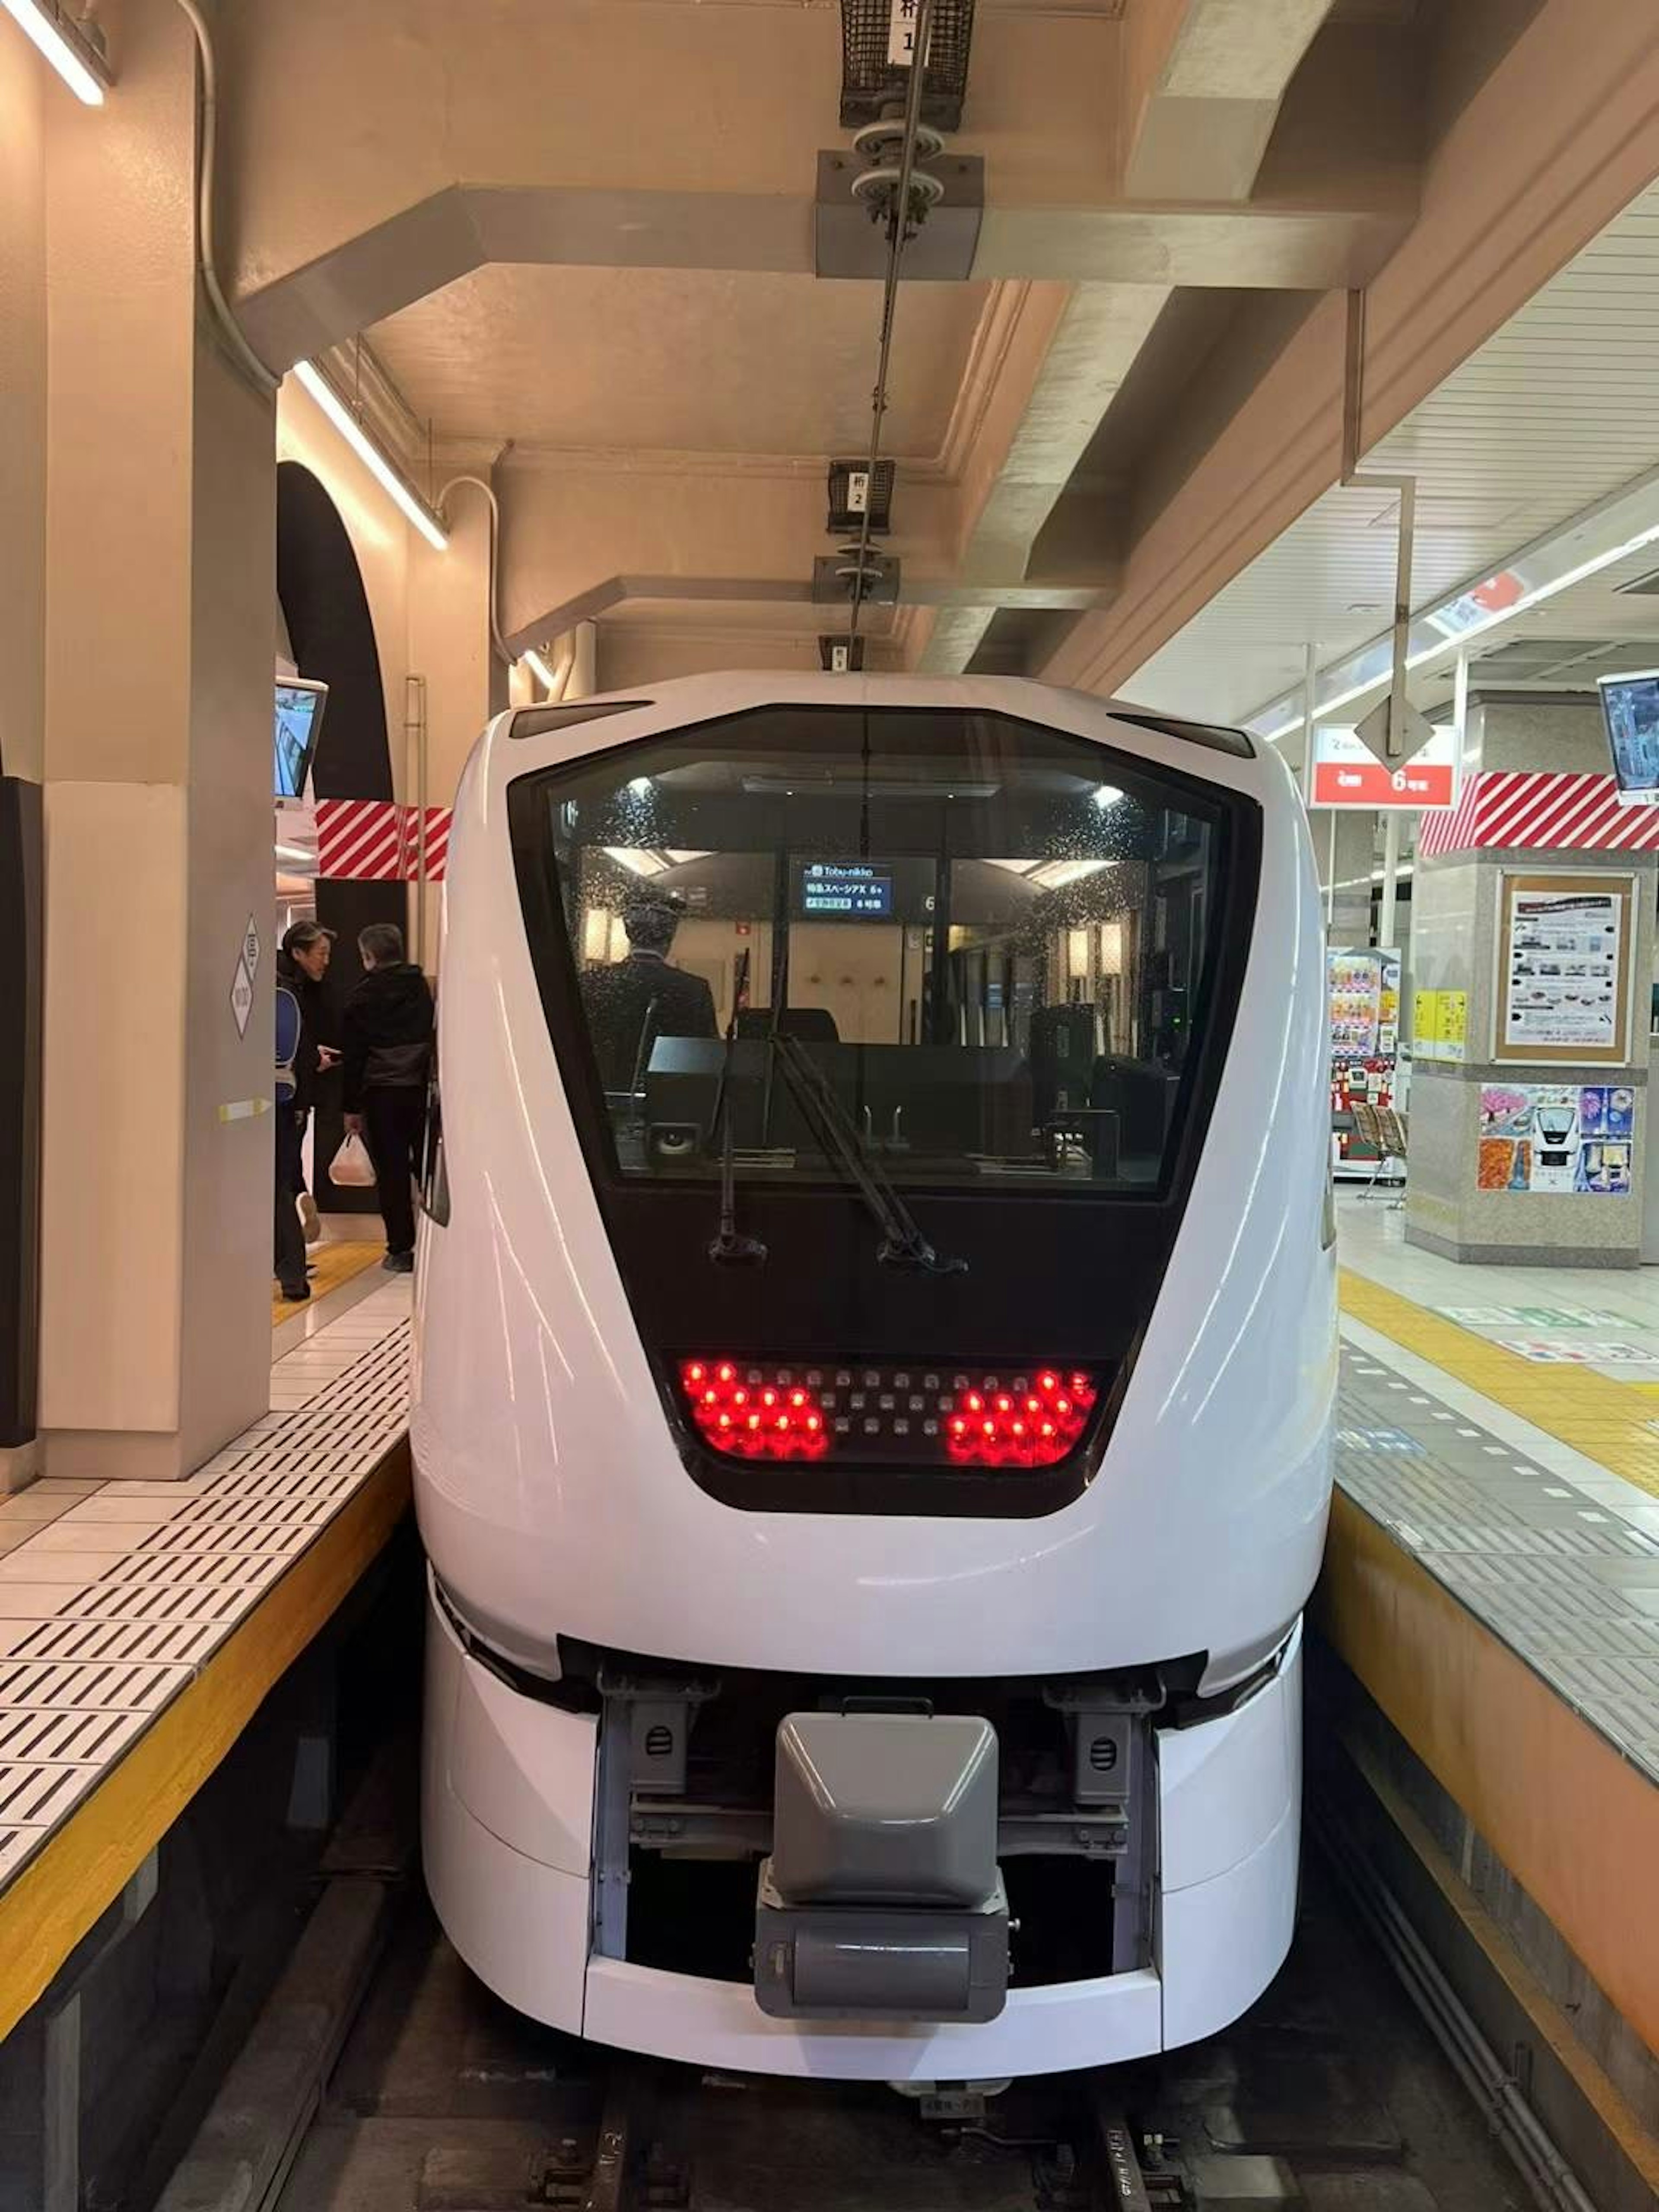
{"x": 22, "y": 409}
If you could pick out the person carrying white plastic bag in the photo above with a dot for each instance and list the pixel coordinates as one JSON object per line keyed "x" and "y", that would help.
{"x": 351, "y": 1167}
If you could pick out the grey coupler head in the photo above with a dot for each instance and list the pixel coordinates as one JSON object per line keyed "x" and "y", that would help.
{"x": 885, "y": 1808}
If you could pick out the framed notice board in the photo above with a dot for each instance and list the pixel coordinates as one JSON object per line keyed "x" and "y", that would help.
{"x": 1565, "y": 946}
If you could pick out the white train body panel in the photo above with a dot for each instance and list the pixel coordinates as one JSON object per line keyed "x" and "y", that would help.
{"x": 556, "y": 1505}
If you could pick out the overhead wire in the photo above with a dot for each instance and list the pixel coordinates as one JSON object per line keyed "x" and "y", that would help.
{"x": 898, "y": 234}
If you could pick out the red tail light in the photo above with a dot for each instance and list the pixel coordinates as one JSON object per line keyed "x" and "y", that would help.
{"x": 914, "y": 1416}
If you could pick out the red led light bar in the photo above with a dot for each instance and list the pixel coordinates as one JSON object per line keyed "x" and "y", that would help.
{"x": 883, "y": 1415}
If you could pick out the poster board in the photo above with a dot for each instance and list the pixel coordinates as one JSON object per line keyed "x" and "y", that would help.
{"x": 1562, "y": 994}
{"x": 1557, "y": 1138}
{"x": 1440, "y": 1024}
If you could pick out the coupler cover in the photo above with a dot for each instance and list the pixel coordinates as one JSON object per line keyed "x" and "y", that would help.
{"x": 882, "y": 1897}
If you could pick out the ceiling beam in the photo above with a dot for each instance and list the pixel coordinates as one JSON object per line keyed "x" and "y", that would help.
{"x": 1202, "y": 84}
{"x": 302, "y": 312}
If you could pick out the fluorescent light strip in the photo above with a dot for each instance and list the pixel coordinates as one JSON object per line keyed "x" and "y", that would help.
{"x": 401, "y": 493}
{"x": 1445, "y": 647}
{"x": 40, "y": 26}
{"x": 539, "y": 668}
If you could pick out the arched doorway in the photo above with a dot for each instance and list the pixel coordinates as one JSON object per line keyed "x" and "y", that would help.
{"x": 332, "y": 637}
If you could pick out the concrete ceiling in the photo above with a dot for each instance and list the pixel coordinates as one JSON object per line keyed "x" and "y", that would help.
{"x": 643, "y": 359}
{"x": 579, "y": 242}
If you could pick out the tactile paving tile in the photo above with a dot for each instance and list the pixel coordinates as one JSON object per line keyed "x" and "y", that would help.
{"x": 30, "y": 1685}
{"x": 73, "y": 1739}
{"x": 77, "y": 1689}
{"x": 36, "y": 1797}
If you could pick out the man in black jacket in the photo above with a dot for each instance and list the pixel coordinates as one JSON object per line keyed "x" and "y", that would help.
{"x": 387, "y": 1037}
{"x": 302, "y": 963}
{"x": 644, "y": 997}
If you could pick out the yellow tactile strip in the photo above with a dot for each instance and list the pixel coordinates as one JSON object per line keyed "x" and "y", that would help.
{"x": 1606, "y": 1420}
{"x": 334, "y": 1264}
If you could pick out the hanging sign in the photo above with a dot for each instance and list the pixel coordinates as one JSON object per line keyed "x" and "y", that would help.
{"x": 1346, "y": 774}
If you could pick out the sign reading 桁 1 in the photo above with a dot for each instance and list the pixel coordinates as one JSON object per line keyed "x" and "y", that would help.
{"x": 901, "y": 33}
{"x": 1346, "y": 774}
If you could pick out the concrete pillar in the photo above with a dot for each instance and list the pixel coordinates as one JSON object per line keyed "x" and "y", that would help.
{"x": 1344, "y": 844}
{"x": 1457, "y": 907}
{"x": 23, "y": 89}
{"x": 160, "y": 586}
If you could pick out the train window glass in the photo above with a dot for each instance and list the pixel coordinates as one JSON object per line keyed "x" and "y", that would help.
{"x": 995, "y": 941}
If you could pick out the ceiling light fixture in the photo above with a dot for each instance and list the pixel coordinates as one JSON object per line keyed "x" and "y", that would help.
{"x": 1444, "y": 648}
{"x": 397, "y": 487}
{"x": 539, "y": 668}
{"x": 74, "y": 56}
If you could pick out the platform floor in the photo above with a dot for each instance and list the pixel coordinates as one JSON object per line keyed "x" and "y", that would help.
{"x": 114, "y": 1595}
{"x": 1502, "y": 1425}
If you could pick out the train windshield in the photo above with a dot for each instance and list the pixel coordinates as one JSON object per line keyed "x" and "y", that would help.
{"x": 975, "y": 950}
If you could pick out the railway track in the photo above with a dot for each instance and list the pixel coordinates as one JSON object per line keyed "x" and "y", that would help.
{"x": 383, "y": 2078}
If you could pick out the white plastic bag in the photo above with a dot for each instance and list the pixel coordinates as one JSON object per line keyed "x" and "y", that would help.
{"x": 352, "y": 1166}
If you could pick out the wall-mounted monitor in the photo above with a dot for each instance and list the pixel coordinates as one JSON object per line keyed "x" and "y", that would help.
{"x": 845, "y": 890}
{"x": 1630, "y": 707}
{"x": 300, "y": 705}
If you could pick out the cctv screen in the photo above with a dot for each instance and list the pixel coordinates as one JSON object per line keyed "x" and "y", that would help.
{"x": 299, "y": 712}
{"x": 1630, "y": 705}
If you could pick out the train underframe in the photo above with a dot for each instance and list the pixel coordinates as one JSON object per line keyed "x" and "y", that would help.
{"x": 862, "y": 1879}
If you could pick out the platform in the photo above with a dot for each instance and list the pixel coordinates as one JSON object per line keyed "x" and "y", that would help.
{"x": 1491, "y": 1581}
{"x": 140, "y": 1623}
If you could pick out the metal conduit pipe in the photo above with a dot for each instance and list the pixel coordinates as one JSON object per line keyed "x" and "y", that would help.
{"x": 249, "y": 361}
{"x": 478, "y": 484}
{"x": 581, "y": 679}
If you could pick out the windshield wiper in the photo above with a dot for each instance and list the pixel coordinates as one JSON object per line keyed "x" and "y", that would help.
{"x": 729, "y": 1249}
{"x": 903, "y": 1243}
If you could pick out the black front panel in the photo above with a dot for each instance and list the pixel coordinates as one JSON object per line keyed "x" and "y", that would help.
{"x": 1067, "y": 931}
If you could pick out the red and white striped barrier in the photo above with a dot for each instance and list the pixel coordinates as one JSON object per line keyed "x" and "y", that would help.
{"x": 376, "y": 841}
{"x": 1532, "y": 810}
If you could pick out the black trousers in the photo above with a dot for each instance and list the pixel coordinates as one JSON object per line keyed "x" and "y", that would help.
{"x": 394, "y": 1122}
{"x": 290, "y": 1241}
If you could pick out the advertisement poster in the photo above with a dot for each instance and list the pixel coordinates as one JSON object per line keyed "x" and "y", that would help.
{"x": 1563, "y": 971}
{"x": 1556, "y": 1136}
{"x": 1440, "y": 1024}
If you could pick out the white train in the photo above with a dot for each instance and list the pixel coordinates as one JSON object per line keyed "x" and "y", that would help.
{"x": 875, "y": 1351}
